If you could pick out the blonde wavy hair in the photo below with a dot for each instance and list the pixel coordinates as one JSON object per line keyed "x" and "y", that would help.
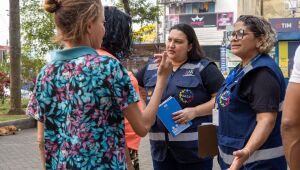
{"x": 72, "y": 17}
{"x": 261, "y": 28}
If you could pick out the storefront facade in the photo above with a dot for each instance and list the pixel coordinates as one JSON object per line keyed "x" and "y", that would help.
{"x": 209, "y": 19}
{"x": 288, "y": 35}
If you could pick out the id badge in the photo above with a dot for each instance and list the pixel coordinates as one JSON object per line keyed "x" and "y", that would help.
{"x": 215, "y": 117}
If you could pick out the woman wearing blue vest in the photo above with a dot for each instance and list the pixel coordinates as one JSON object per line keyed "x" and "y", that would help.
{"x": 194, "y": 83}
{"x": 248, "y": 104}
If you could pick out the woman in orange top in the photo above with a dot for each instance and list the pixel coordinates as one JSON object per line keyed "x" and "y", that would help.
{"x": 116, "y": 43}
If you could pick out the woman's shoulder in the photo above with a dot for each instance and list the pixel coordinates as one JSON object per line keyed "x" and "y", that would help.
{"x": 203, "y": 61}
{"x": 203, "y": 64}
{"x": 105, "y": 60}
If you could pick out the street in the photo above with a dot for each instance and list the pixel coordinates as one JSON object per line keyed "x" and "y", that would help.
{"x": 20, "y": 152}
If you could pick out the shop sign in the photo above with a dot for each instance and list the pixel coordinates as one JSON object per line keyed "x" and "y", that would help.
{"x": 224, "y": 19}
{"x": 199, "y": 20}
{"x": 172, "y": 20}
{"x": 223, "y": 64}
{"x": 286, "y": 24}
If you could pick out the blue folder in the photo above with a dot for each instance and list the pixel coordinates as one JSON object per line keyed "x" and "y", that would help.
{"x": 165, "y": 114}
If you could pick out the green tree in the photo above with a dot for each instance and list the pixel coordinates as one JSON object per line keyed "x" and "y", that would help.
{"x": 126, "y": 6}
{"x": 31, "y": 67}
{"x": 146, "y": 33}
{"x": 142, "y": 12}
{"x": 4, "y": 83}
{"x": 4, "y": 67}
{"x": 37, "y": 29}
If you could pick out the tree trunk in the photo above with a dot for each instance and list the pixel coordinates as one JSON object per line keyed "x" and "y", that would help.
{"x": 126, "y": 6}
{"x": 15, "y": 58}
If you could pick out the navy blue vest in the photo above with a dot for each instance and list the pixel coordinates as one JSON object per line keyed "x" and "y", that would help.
{"x": 237, "y": 121}
{"x": 185, "y": 84}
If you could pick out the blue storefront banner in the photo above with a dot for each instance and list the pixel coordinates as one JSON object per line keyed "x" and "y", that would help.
{"x": 286, "y": 24}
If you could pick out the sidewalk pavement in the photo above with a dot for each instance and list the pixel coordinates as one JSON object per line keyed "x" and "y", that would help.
{"x": 20, "y": 152}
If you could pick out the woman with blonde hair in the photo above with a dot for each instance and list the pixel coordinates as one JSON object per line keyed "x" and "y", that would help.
{"x": 80, "y": 98}
{"x": 248, "y": 104}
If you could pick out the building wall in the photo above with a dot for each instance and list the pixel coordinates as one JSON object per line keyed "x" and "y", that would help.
{"x": 267, "y": 8}
{"x": 278, "y": 9}
{"x": 285, "y": 22}
{"x": 249, "y": 7}
{"x": 206, "y": 35}
{"x": 227, "y": 6}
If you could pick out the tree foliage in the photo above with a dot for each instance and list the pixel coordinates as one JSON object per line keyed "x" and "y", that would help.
{"x": 37, "y": 29}
{"x": 146, "y": 33}
{"x": 4, "y": 67}
{"x": 31, "y": 67}
{"x": 142, "y": 11}
{"x": 4, "y": 83}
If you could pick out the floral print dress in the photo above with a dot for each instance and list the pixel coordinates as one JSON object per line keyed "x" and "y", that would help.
{"x": 79, "y": 96}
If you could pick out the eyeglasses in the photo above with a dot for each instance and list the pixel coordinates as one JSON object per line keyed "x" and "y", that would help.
{"x": 238, "y": 35}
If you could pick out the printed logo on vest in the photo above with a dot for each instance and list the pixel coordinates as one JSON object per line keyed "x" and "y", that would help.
{"x": 224, "y": 99}
{"x": 186, "y": 96}
{"x": 188, "y": 73}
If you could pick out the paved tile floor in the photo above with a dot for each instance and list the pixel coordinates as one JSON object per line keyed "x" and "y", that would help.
{"x": 20, "y": 152}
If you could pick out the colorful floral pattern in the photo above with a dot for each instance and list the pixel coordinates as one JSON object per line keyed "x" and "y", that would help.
{"x": 80, "y": 102}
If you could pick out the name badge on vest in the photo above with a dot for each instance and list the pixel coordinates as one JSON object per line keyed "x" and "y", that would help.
{"x": 215, "y": 117}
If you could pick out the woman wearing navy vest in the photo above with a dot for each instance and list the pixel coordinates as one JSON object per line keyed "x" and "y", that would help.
{"x": 248, "y": 104}
{"x": 194, "y": 84}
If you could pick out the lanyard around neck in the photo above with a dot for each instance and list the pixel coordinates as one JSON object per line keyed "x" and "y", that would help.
{"x": 239, "y": 71}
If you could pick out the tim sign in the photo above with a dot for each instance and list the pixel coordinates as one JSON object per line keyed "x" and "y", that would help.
{"x": 286, "y": 24}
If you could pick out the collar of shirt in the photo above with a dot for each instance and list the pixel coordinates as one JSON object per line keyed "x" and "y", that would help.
{"x": 72, "y": 53}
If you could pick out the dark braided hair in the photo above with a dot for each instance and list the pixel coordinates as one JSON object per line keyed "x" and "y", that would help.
{"x": 117, "y": 38}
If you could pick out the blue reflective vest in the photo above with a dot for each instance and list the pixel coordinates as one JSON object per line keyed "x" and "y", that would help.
{"x": 237, "y": 121}
{"x": 185, "y": 84}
